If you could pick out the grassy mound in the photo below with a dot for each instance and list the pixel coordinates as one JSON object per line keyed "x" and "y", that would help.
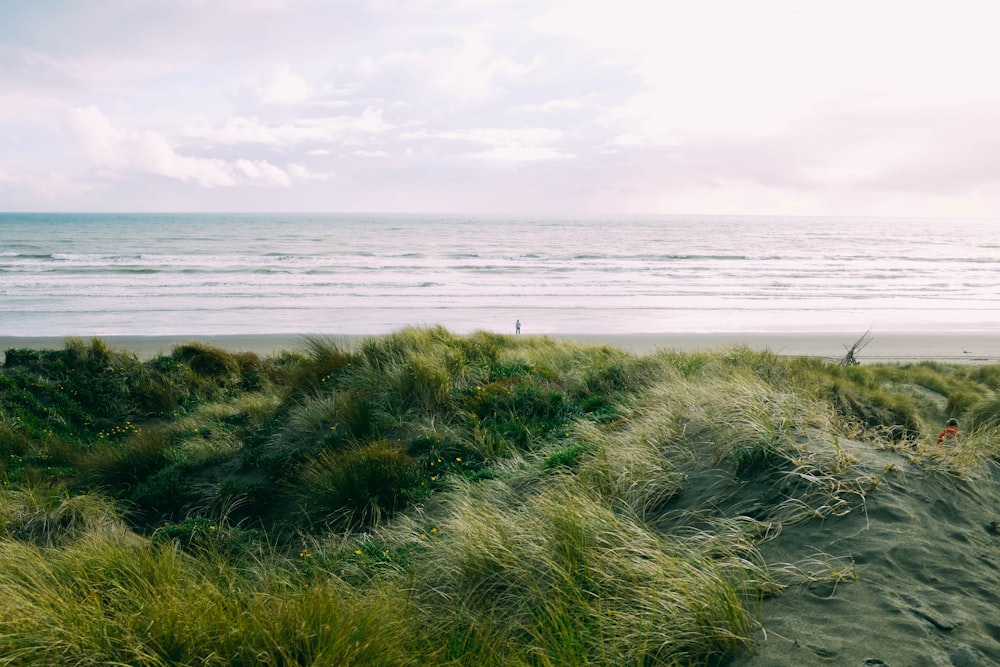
{"x": 428, "y": 498}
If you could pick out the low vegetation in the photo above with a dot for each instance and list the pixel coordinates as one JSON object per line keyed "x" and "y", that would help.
{"x": 427, "y": 498}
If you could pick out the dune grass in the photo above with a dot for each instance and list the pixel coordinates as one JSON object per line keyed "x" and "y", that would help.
{"x": 429, "y": 498}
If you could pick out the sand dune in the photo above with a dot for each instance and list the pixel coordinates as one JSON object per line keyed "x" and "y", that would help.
{"x": 900, "y": 566}
{"x": 921, "y": 577}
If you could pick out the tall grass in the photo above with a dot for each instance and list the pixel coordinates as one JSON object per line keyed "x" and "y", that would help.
{"x": 561, "y": 578}
{"x": 102, "y": 601}
{"x": 357, "y": 487}
{"x": 429, "y": 498}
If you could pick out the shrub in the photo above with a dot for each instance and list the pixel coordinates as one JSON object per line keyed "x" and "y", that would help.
{"x": 163, "y": 496}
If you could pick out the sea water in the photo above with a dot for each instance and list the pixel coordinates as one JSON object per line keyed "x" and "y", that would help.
{"x": 211, "y": 274}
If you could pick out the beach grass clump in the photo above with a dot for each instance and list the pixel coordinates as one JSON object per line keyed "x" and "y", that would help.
{"x": 569, "y": 456}
{"x": 48, "y": 516}
{"x": 120, "y": 466}
{"x": 561, "y": 578}
{"x": 357, "y": 487}
{"x": 988, "y": 376}
{"x": 306, "y": 424}
{"x": 734, "y": 418}
{"x": 215, "y": 538}
{"x": 961, "y": 402}
{"x": 423, "y": 383}
{"x": 192, "y": 462}
{"x": 872, "y": 408}
{"x": 939, "y": 378}
{"x": 105, "y": 600}
{"x": 632, "y": 469}
{"x": 321, "y": 364}
{"x": 984, "y": 413}
{"x": 209, "y": 361}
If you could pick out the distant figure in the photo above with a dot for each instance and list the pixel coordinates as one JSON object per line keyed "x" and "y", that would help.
{"x": 950, "y": 431}
{"x": 517, "y": 327}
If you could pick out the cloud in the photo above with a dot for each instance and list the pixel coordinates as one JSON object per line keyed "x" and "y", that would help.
{"x": 552, "y": 105}
{"x": 149, "y": 152}
{"x": 348, "y": 130}
{"x": 675, "y": 105}
{"x": 261, "y": 172}
{"x": 51, "y": 186}
{"x": 466, "y": 72}
{"x": 504, "y": 144}
{"x": 302, "y": 173}
{"x": 521, "y": 154}
{"x": 284, "y": 87}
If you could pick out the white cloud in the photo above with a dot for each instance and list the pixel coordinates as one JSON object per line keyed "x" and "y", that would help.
{"x": 552, "y": 105}
{"x": 302, "y": 173}
{"x": 504, "y": 144}
{"x": 521, "y": 154}
{"x": 148, "y": 151}
{"x": 349, "y": 130}
{"x": 51, "y": 186}
{"x": 776, "y": 105}
{"x": 284, "y": 87}
{"x": 463, "y": 73}
{"x": 262, "y": 172}
{"x": 492, "y": 136}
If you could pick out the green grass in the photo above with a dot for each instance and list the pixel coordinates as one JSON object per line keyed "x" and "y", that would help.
{"x": 429, "y": 498}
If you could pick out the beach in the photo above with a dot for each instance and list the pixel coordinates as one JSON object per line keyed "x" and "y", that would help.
{"x": 881, "y": 348}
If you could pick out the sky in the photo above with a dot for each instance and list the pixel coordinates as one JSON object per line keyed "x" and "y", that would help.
{"x": 527, "y": 107}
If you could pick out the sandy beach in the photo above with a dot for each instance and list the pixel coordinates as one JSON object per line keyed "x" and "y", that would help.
{"x": 952, "y": 348}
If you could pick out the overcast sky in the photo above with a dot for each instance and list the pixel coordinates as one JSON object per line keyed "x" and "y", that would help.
{"x": 804, "y": 107}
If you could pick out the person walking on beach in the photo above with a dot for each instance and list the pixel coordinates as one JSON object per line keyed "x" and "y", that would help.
{"x": 517, "y": 327}
{"x": 950, "y": 431}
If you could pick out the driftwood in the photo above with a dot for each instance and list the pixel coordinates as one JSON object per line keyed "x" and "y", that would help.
{"x": 850, "y": 359}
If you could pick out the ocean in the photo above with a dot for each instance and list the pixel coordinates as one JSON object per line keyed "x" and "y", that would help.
{"x": 219, "y": 274}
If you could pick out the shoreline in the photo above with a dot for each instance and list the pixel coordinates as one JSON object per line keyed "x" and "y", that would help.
{"x": 882, "y": 348}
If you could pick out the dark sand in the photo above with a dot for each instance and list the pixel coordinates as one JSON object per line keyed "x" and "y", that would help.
{"x": 925, "y": 550}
